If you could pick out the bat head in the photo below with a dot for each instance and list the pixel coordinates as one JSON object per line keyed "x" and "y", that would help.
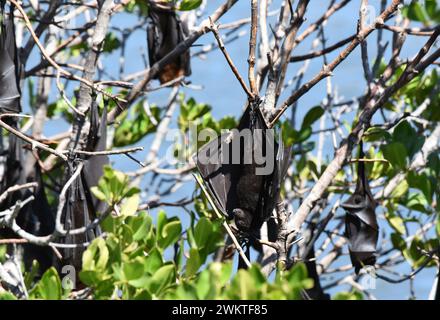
{"x": 242, "y": 219}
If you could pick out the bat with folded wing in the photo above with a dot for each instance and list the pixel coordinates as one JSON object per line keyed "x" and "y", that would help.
{"x": 9, "y": 65}
{"x": 165, "y": 31}
{"x": 243, "y": 170}
{"x": 361, "y": 225}
{"x": 36, "y": 217}
{"x": 10, "y": 102}
{"x": 10, "y": 96}
{"x": 82, "y": 207}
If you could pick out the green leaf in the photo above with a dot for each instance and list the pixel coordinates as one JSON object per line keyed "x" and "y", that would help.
{"x": 193, "y": 263}
{"x": 396, "y": 154}
{"x": 257, "y": 276}
{"x": 421, "y": 182}
{"x": 204, "y": 285}
{"x": 297, "y": 274}
{"x": 153, "y": 261}
{"x": 130, "y": 206}
{"x": 161, "y": 221}
{"x": 49, "y": 287}
{"x": 242, "y": 286}
{"x": 304, "y": 134}
{"x": 222, "y": 272}
{"x": 136, "y": 125}
{"x": 99, "y": 194}
{"x": 3, "y": 251}
{"x": 400, "y": 190}
{"x": 133, "y": 269}
{"x": 191, "y": 111}
{"x": 141, "y": 226}
{"x": 396, "y": 222}
{"x": 33, "y": 272}
{"x": 7, "y": 296}
{"x": 379, "y": 167}
{"x": 312, "y": 116}
{"x": 397, "y": 241}
{"x": 414, "y": 12}
{"x": 202, "y": 232}
{"x": 414, "y": 254}
{"x": 437, "y": 226}
{"x": 96, "y": 256}
{"x": 405, "y": 134}
{"x": 111, "y": 42}
{"x": 431, "y": 6}
{"x": 186, "y": 5}
{"x": 170, "y": 234}
{"x": 376, "y": 134}
{"x": 162, "y": 278}
{"x": 417, "y": 201}
{"x": 348, "y": 296}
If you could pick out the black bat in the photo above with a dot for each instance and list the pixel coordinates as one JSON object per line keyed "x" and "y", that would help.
{"x": 10, "y": 99}
{"x": 10, "y": 102}
{"x": 307, "y": 254}
{"x": 10, "y": 95}
{"x": 316, "y": 292}
{"x": 37, "y": 218}
{"x": 9, "y": 65}
{"x": 238, "y": 190}
{"x": 165, "y": 31}
{"x": 13, "y": 172}
{"x": 361, "y": 225}
{"x": 82, "y": 206}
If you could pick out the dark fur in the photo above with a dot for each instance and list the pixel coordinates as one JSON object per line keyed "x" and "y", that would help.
{"x": 361, "y": 225}
{"x": 165, "y": 31}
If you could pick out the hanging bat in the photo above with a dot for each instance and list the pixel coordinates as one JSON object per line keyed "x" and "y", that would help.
{"x": 37, "y": 218}
{"x": 361, "y": 225}
{"x": 316, "y": 292}
{"x": 10, "y": 100}
{"x": 237, "y": 188}
{"x": 307, "y": 254}
{"x": 82, "y": 206}
{"x": 10, "y": 95}
{"x": 165, "y": 31}
{"x": 9, "y": 66}
{"x": 10, "y": 103}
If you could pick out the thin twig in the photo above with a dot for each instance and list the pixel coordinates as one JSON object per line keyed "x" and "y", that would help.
{"x": 214, "y": 29}
{"x": 252, "y": 46}
{"x": 34, "y": 143}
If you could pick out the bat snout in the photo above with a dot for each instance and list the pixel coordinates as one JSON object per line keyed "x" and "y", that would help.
{"x": 243, "y": 219}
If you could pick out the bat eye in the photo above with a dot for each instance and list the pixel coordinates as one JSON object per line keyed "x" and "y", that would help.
{"x": 357, "y": 199}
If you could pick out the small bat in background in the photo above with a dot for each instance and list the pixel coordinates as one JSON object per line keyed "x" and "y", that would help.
{"x": 239, "y": 191}
{"x": 82, "y": 206}
{"x": 361, "y": 225}
{"x": 316, "y": 292}
{"x": 307, "y": 254}
{"x": 165, "y": 31}
{"x": 36, "y": 217}
{"x": 10, "y": 95}
{"x": 10, "y": 92}
{"x": 10, "y": 103}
